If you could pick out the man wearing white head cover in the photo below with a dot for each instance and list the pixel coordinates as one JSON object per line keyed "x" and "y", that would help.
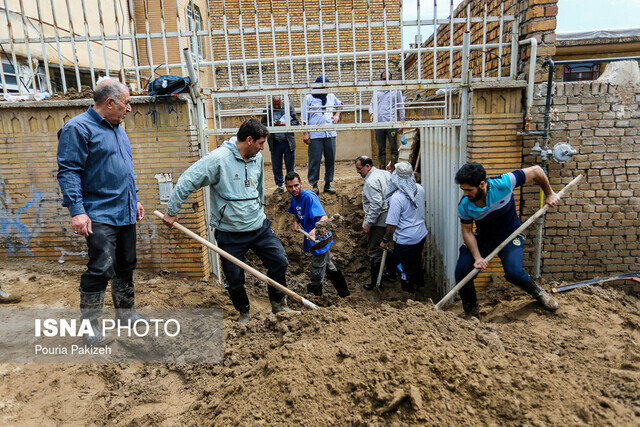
{"x": 405, "y": 224}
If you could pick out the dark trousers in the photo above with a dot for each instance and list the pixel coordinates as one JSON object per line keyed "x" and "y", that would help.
{"x": 410, "y": 258}
{"x": 381, "y": 139}
{"x": 510, "y": 255}
{"x": 266, "y": 245}
{"x": 279, "y": 150}
{"x": 376, "y": 233}
{"x": 317, "y": 147}
{"x": 112, "y": 253}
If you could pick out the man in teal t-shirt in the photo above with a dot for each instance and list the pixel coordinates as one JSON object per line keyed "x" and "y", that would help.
{"x": 307, "y": 209}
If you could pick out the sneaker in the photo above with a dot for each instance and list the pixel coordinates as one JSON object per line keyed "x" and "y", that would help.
{"x": 315, "y": 189}
{"x": 329, "y": 189}
{"x": 279, "y": 190}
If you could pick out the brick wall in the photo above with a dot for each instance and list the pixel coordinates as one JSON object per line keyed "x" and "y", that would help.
{"x": 596, "y": 229}
{"x": 33, "y": 221}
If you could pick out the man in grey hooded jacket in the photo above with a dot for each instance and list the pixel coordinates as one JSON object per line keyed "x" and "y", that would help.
{"x": 234, "y": 173}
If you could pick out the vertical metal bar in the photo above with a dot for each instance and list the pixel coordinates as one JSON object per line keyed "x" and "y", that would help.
{"x": 28, "y": 47}
{"x": 149, "y": 48}
{"x": 226, "y": 42}
{"x": 321, "y": 36}
{"x": 386, "y": 44}
{"x": 178, "y": 27}
{"x": 290, "y": 44}
{"x": 44, "y": 51}
{"x": 484, "y": 41}
{"x": 123, "y": 77}
{"x": 213, "y": 67}
{"x": 16, "y": 68}
{"x": 164, "y": 38}
{"x": 514, "y": 48}
{"x": 241, "y": 28}
{"x": 73, "y": 47}
{"x": 402, "y": 41}
{"x": 419, "y": 44}
{"x": 435, "y": 39}
{"x": 273, "y": 41}
{"x": 86, "y": 35}
{"x": 55, "y": 34}
{"x": 134, "y": 44}
{"x": 500, "y": 41}
{"x": 104, "y": 44}
{"x": 306, "y": 45}
{"x": 338, "y": 41}
{"x": 25, "y": 29}
{"x": 255, "y": 21}
{"x": 451, "y": 41}
{"x": 468, "y": 16}
{"x": 353, "y": 41}
{"x": 369, "y": 31}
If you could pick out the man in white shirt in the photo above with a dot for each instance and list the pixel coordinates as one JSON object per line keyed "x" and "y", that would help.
{"x": 390, "y": 104}
{"x": 321, "y": 109}
{"x": 405, "y": 224}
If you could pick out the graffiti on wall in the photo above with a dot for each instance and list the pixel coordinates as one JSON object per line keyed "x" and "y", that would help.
{"x": 15, "y": 230}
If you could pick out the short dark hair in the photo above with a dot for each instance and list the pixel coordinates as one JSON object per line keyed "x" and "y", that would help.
{"x": 290, "y": 176}
{"x": 252, "y": 128}
{"x": 108, "y": 90}
{"x": 472, "y": 174}
{"x": 364, "y": 160}
{"x": 388, "y": 73}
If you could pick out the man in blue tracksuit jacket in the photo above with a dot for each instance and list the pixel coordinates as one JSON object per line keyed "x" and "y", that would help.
{"x": 234, "y": 173}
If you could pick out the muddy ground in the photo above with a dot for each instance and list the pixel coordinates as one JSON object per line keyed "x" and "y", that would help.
{"x": 354, "y": 361}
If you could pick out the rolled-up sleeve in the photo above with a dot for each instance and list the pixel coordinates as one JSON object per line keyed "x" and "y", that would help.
{"x": 72, "y": 156}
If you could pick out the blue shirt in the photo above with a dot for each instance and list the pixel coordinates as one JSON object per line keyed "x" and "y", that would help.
{"x": 498, "y": 218}
{"x": 409, "y": 220}
{"x": 308, "y": 210}
{"x": 390, "y": 106}
{"x": 314, "y": 113}
{"x": 95, "y": 170}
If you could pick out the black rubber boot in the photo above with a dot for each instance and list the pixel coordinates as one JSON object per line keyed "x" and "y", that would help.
{"x": 375, "y": 268}
{"x": 314, "y": 289}
{"x": 123, "y": 294}
{"x": 542, "y": 296}
{"x": 338, "y": 281}
{"x": 407, "y": 286}
{"x": 471, "y": 310}
{"x": 91, "y": 307}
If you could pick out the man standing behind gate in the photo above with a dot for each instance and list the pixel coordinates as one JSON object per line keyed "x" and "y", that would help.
{"x": 390, "y": 109}
{"x": 321, "y": 109}
{"x": 95, "y": 173}
{"x": 280, "y": 144}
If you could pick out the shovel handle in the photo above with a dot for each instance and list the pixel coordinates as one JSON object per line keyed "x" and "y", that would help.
{"x": 305, "y": 302}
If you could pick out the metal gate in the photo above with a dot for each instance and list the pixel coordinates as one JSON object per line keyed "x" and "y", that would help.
{"x": 242, "y": 53}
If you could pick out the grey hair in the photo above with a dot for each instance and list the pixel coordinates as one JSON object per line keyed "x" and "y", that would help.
{"x": 108, "y": 88}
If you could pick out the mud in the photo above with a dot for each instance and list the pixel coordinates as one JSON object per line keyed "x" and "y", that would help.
{"x": 352, "y": 362}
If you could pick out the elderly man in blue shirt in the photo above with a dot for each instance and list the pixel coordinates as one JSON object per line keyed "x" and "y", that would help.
{"x": 390, "y": 109}
{"x": 95, "y": 173}
{"x": 321, "y": 109}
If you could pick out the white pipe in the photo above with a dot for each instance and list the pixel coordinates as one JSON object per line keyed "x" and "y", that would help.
{"x": 532, "y": 70}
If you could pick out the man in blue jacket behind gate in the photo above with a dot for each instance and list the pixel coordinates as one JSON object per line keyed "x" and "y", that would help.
{"x": 234, "y": 173}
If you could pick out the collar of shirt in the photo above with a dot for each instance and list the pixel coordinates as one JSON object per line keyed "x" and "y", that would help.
{"x": 99, "y": 119}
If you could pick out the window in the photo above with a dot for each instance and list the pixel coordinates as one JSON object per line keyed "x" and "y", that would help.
{"x": 581, "y": 71}
{"x": 194, "y": 24}
{"x": 9, "y": 76}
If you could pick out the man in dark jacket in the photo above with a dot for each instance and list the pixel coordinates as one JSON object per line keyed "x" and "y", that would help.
{"x": 280, "y": 144}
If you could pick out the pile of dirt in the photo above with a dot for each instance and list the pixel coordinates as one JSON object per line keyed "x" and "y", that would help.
{"x": 353, "y": 361}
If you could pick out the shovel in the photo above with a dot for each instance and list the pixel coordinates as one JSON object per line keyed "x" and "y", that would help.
{"x": 318, "y": 244}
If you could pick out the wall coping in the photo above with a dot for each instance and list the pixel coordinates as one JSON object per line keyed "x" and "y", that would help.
{"x": 85, "y": 102}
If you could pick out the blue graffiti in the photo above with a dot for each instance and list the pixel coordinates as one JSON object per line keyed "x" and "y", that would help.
{"x": 15, "y": 233}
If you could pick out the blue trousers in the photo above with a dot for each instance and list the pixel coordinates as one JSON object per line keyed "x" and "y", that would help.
{"x": 266, "y": 245}
{"x": 317, "y": 147}
{"x": 510, "y": 255}
{"x": 279, "y": 150}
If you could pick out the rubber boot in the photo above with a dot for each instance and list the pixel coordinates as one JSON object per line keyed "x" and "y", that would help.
{"x": 315, "y": 289}
{"x": 338, "y": 281}
{"x": 281, "y": 307}
{"x": 375, "y": 268}
{"x": 471, "y": 310}
{"x": 240, "y": 301}
{"x": 407, "y": 286}
{"x": 542, "y": 296}
{"x": 6, "y": 298}
{"x": 91, "y": 307}
{"x": 123, "y": 294}
{"x": 244, "y": 318}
